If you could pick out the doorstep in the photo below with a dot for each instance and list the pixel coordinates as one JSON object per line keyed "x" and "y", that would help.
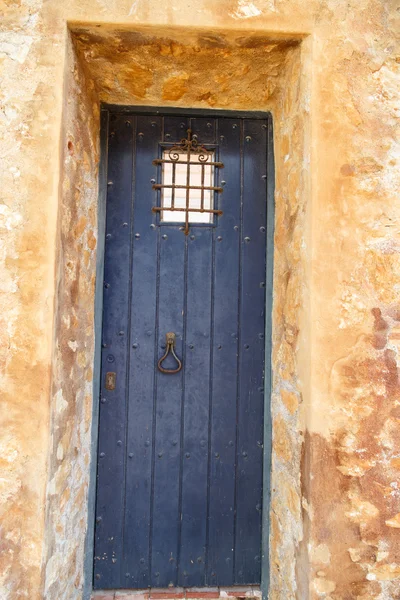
{"x": 249, "y": 591}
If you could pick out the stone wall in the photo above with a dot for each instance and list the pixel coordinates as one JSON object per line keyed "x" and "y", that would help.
{"x": 290, "y": 324}
{"x": 73, "y": 351}
{"x": 329, "y": 72}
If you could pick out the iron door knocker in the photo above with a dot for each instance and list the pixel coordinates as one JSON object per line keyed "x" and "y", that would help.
{"x": 170, "y": 338}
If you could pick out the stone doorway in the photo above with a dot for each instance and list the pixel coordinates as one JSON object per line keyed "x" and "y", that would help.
{"x": 182, "y": 68}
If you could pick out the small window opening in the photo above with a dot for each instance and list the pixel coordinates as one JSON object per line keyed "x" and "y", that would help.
{"x": 187, "y": 184}
{"x": 199, "y": 177}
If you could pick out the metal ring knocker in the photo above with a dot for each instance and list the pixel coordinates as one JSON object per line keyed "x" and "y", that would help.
{"x": 170, "y": 338}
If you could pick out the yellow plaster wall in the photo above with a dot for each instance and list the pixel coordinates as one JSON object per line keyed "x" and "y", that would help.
{"x": 334, "y": 98}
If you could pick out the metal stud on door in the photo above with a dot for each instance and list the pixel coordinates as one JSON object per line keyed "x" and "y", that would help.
{"x": 179, "y": 495}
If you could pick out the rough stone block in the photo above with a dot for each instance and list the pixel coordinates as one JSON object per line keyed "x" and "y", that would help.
{"x": 237, "y": 592}
{"x": 209, "y": 593}
{"x": 132, "y": 595}
{"x": 103, "y": 596}
{"x": 166, "y": 593}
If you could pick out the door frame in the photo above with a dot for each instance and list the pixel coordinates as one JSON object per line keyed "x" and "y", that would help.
{"x": 105, "y": 112}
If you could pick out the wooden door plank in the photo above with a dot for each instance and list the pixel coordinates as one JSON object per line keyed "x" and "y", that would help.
{"x": 220, "y": 540}
{"x": 251, "y": 356}
{"x": 112, "y": 417}
{"x": 139, "y": 457}
{"x": 270, "y": 225}
{"x": 194, "y": 461}
{"x": 169, "y": 398}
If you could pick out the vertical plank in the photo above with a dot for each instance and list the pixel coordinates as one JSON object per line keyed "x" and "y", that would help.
{"x": 141, "y": 368}
{"x": 194, "y": 461}
{"x": 112, "y": 417}
{"x": 167, "y": 440}
{"x": 251, "y": 356}
{"x": 220, "y": 539}
{"x": 265, "y": 573}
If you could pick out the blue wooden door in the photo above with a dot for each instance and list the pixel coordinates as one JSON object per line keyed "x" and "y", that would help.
{"x": 180, "y": 456}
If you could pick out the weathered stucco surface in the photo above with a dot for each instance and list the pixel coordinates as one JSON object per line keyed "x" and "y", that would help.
{"x": 329, "y": 72}
{"x": 72, "y": 369}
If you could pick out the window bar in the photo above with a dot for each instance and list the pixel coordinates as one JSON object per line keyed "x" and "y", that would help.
{"x": 160, "y": 186}
{"x": 173, "y": 185}
{"x": 160, "y": 161}
{"x": 213, "y": 211}
{"x": 202, "y": 187}
{"x": 187, "y": 189}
